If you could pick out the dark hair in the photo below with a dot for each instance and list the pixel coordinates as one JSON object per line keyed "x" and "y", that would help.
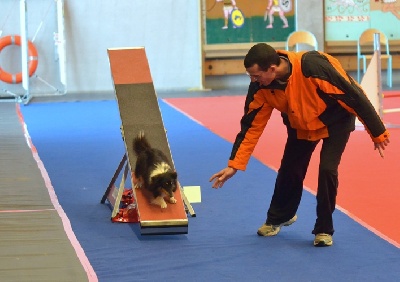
{"x": 263, "y": 55}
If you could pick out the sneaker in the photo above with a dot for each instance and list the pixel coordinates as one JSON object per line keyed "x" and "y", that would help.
{"x": 272, "y": 230}
{"x": 323, "y": 240}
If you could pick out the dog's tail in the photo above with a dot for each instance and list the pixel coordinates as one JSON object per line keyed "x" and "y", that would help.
{"x": 140, "y": 143}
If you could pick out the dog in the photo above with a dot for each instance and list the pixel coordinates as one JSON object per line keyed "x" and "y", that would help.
{"x": 154, "y": 172}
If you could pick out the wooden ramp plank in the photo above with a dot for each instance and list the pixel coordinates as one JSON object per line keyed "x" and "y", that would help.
{"x": 154, "y": 220}
{"x": 139, "y": 110}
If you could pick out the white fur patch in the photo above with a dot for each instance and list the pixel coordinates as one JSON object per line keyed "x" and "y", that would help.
{"x": 160, "y": 169}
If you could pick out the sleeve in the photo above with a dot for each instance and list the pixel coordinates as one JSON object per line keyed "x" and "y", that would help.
{"x": 256, "y": 115}
{"x": 333, "y": 80}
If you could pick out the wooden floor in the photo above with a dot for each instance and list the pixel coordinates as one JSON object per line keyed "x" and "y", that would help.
{"x": 34, "y": 243}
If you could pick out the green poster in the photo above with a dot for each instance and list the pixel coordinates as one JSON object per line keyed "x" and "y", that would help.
{"x": 247, "y": 21}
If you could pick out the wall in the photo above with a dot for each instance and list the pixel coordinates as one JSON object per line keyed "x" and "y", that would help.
{"x": 310, "y": 16}
{"x": 168, "y": 29}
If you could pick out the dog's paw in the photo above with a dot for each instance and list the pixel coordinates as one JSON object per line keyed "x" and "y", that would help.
{"x": 172, "y": 200}
{"x": 159, "y": 201}
{"x": 138, "y": 184}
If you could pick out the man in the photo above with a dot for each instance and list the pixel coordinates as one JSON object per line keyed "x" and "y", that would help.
{"x": 318, "y": 100}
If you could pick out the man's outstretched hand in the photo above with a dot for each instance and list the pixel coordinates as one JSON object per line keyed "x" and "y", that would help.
{"x": 381, "y": 146}
{"x": 220, "y": 177}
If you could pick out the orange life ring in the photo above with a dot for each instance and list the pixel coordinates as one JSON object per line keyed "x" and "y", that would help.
{"x": 32, "y": 59}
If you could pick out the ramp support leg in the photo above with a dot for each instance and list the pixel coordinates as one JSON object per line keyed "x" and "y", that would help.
{"x": 117, "y": 172}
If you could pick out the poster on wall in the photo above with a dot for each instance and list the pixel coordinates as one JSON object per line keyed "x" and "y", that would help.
{"x": 345, "y": 20}
{"x": 247, "y": 21}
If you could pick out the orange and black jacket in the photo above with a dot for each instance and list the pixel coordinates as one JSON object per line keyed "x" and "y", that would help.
{"x": 320, "y": 99}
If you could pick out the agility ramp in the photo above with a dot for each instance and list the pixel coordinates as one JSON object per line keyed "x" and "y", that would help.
{"x": 139, "y": 110}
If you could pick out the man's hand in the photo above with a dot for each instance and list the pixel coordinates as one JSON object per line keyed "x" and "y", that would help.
{"x": 222, "y": 176}
{"x": 381, "y": 146}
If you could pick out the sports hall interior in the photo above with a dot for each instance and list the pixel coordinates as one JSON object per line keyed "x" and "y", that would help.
{"x": 61, "y": 144}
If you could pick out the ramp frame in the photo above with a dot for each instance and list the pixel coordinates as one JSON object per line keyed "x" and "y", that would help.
{"x": 139, "y": 111}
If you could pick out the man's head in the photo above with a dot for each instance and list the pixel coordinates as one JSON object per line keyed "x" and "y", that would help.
{"x": 261, "y": 62}
{"x": 263, "y": 55}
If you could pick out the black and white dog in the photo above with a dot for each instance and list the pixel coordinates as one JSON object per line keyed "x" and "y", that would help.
{"x": 154, "y": 173}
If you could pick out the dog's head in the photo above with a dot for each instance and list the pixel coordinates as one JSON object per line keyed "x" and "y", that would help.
{"x": 165, "y": 182}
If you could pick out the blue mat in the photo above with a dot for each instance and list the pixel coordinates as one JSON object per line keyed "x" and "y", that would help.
{"x": 80, "y": 145}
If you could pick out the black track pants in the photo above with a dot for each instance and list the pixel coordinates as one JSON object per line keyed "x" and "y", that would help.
{"x": 289, "y": 182}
